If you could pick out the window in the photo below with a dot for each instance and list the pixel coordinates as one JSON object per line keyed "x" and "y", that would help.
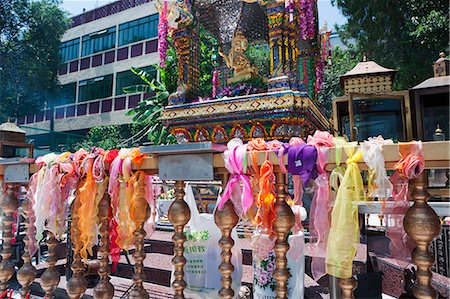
{"x": 373, "y": 115}
{"x": 127, "y": 78}
{"x": 98, "y": 41}
{"x": 95, "y": 88}
{"x": 66, "y": 94}
{"x": 70, "y": 50}
{"x": 139, "y": 29}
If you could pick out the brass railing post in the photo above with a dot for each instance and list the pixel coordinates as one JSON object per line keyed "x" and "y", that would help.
{"x": 138, "y": 291}
{"x": 348, "y": 285}
{"x": 50, "y": 278}
{"x": 179, "y": 215}
{"x": 104, "y": 289}
{"x": 27, "y": 273}
{"x": 282, "y": 225}
{"x": 9, "y": 205}
{"x": 77, "y": 284}
{"x": 421, "y": 223}
{"x": 226, "y": 219}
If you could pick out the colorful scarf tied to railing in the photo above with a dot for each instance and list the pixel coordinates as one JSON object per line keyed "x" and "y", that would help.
{"x": 319, "y": 219}
{"x": 128, "y": 197}
{"x": 31, "y": 230}
{"x": 53, "y": 184}
{"x": 59, "y": 207}
{"x": 42, "y": 200}
{"x": 253, "y": 147}
{"x": 379, "y": 185}
{"x": 343, "y": 238}
{"x": 235, "y": 158}
{"x": 265, "y": 215}
{"x": 116, "y": 190}
{"x": 49, "y": 193}
{"x": 90, "y": 193}
{"x": 131, "y": 196}
{"x": 337, "y": 174}
{"x": 302, "y": 166}
{"x": 266, "y": 198}
{"x": 410, "y": 166}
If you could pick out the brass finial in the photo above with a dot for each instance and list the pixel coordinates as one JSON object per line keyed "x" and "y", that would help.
{"x": 438, "y": 134}
{"x": 442, "y": 55}
{"x": 364, "y": 57}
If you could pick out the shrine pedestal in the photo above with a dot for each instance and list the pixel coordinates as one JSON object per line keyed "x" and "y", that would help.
{"x": 272, "y": 115}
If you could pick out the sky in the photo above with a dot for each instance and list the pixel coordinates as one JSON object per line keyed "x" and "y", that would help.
{"x": 327, "y": 12}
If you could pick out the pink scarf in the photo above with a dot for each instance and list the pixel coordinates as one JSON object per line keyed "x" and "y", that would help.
{"x": 410, "y": 166}
{"x": 234, "y": 162}
{"x": 31, "y": 230}
{"x": 319, "y": 218}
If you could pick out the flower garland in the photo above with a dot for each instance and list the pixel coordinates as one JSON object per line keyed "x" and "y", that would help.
{"x": 289, "y": 7}
{"x": 215, "y": 83}
{"x": 307, "y": 19}
{"x": 319, "y": 75}
{"x": 163, "y": 33}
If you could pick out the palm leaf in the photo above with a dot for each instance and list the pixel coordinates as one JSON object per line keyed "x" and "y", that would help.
{"x": 138, "y": 88}
{"x": 142, "y": 74}
{"x": 150, "y": 109}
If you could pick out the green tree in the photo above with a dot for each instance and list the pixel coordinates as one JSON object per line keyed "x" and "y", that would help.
{"x": 342, "y": 60}
{"x": 106, "y": 137}
{"x": 406, "y": 35}
{"x": 111, "y": 137}
{"x": 30, "y": 33}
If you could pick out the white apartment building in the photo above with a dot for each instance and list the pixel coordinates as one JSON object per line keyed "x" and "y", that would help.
{"x": 97, "y": 53}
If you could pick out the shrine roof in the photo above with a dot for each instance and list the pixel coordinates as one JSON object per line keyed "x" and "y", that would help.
{"x": 10, "y": 127}
{"x": 433, "y": 82}
{"x": 367, "y": 68}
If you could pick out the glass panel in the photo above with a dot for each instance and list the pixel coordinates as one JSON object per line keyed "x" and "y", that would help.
{"x": 99, "y": 42}
{"x": 343, "y": 119}
{"x": 66, "y": 94}
{"x": 127, "y": 78}
{"x": 137, "y": 30}
{"x": 69, "y": 50}
{"x": 96, "y": 88}
{"x": 435, "y": 112}
{"x": 378, "y": 116}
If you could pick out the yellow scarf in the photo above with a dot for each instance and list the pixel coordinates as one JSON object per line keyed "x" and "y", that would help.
{"x": 344, "y": 233}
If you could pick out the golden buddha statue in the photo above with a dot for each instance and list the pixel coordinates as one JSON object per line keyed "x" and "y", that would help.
{"x": 237, "y": 60}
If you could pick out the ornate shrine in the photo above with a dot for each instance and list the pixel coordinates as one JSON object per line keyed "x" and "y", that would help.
{"x": 278, "y": 115}
{"x": 283, "y": 104}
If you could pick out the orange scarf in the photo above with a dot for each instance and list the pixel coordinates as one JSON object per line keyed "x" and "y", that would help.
{"x": 266, "y": 198}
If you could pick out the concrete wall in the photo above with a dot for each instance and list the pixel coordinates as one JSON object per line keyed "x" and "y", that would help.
{"x": 80, "y": 122}
{"x": 93, "y": 120}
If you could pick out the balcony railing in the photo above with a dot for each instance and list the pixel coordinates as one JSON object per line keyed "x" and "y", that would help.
{"x": 105, "y": 11}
